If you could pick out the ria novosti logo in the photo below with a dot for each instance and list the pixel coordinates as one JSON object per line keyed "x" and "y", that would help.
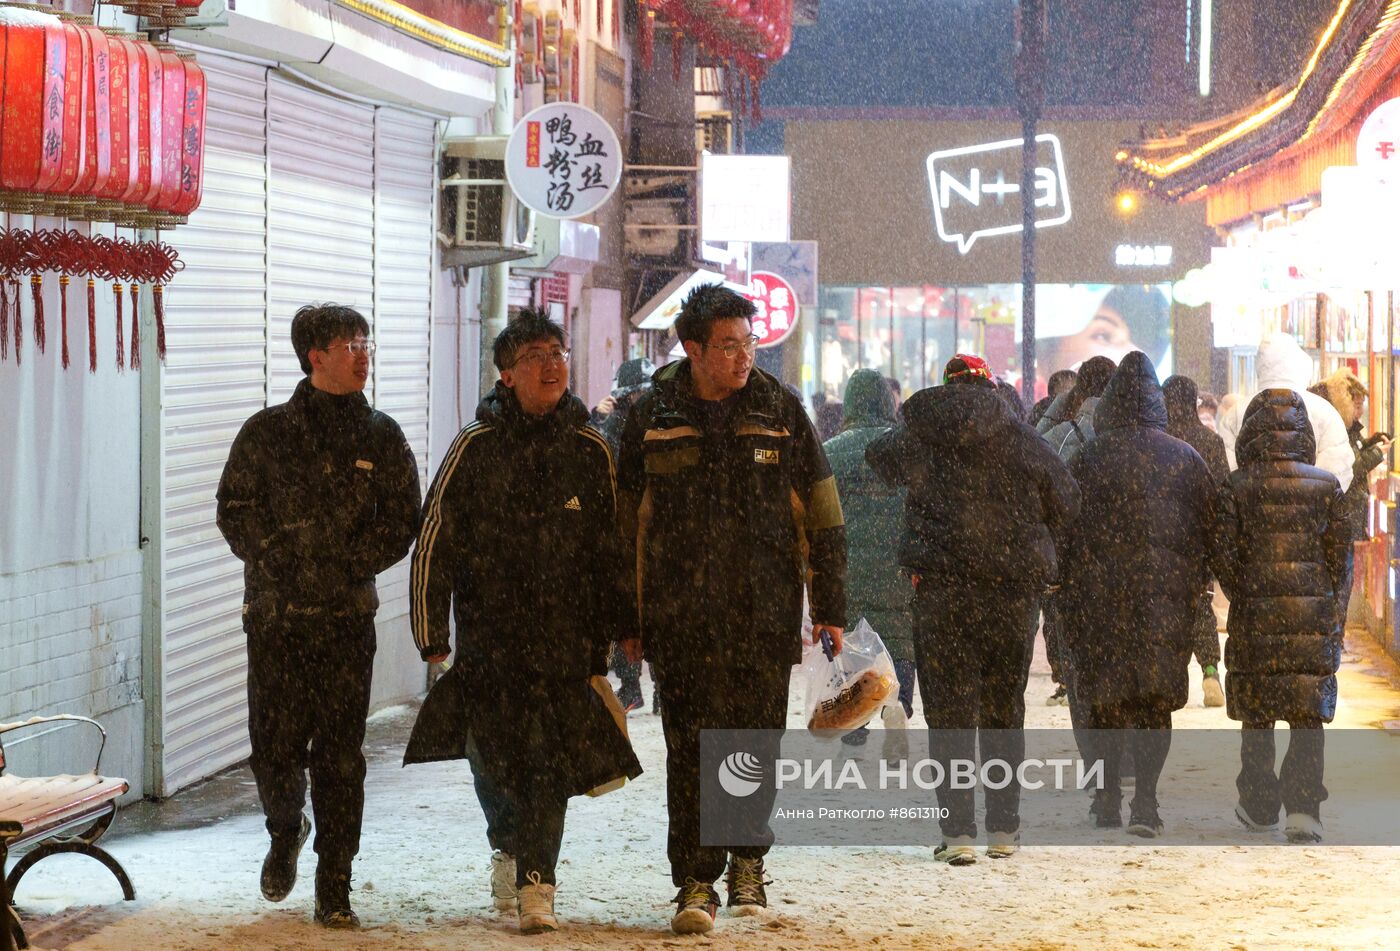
{"x": 740, "y": 774}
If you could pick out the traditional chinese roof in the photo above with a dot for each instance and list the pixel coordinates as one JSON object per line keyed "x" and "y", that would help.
{"x": 1276, "y": 147}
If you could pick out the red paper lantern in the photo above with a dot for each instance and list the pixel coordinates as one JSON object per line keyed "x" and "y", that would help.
{"x": 21, "y": 138}
{"x": 172, "y": 130}
{"x": 71, "y": 165}
{"x": 97, "y": 119}
{"x": 192, "y": 141}
{"x": 119, "y": 55}
{"x": 142, "y": 83}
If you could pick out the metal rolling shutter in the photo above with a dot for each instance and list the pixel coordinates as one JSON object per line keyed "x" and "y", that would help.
{"x": 320, "y": 217}
{"x": 404, "y": 146}
{"x": 215, "y": 378}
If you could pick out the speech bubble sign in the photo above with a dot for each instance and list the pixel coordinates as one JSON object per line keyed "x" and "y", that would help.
{"x": 977, "y": 189}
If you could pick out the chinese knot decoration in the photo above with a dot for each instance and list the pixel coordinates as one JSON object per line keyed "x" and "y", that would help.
{"x": 97, "y": 124}
{"x": 71, "y": 253}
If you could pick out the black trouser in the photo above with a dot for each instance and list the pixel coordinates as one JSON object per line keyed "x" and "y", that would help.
{"x": 715, "y": 698}
{"x": 1205, "y": 642}
{"x": 1056, "y": 647}
{"x": 308, "y": 697}
{"x": 1142, "y": 727}
{"x": 973, "y": 650}
{"x": 527, "y": 823}
{"x": 1297, "y": 786}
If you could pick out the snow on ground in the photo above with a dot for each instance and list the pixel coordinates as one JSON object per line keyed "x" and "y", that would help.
{"x": 421, "y": 878}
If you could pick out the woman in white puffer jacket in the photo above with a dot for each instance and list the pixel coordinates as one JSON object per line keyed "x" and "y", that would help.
{"x": 1282, "y": 365}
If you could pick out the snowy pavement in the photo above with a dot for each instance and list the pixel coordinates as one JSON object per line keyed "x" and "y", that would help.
{"x": 421, "y": 877}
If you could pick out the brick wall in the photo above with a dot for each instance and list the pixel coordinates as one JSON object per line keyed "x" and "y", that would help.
{"x": 70, "y": 642}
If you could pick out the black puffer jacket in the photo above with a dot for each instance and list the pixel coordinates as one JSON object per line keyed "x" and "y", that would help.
{"x": 727, "y": 521}
{"x": 987, "y": 497}
{"x": 318, "y": 496}
{"x": 520, "y": 540}
{"x": 1184, "y": 422}
{"x": 1138, "y": 553}
{"x": 1284, "y": 560}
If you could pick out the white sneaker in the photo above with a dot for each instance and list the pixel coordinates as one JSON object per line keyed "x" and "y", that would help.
{"x": 1250, "y": 824}
{"x": 1003, "y": 845}
{"x": 958, "y": 850}
{"x": 1302, "y": 829}
{"x": 503, "y": 892}
{"x": 1215, "y": 694}
{"x": 535, "y": 905}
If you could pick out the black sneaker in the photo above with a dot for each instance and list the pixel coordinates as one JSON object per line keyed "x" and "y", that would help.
{"x": 333, "y": 900}
{"x": 696, "y": 904}
{"x": 746, "y": 886}
{"x": 279, "y": 869}
{"x": 1107, "y": 811}
{"x": 1145, "y": 822}
{"x": 1060, "y": 698}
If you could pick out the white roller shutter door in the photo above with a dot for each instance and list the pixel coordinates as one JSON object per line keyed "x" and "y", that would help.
{"x": 215, "y": 378}
{"x": 320, "y": 217}
{"x": 404, "y": 146}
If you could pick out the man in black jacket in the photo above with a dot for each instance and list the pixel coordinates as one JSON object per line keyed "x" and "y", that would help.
{"x": 988, "y": 504}
{"x": 728, "y": 487}
{"x": 520, "y": 543}
{"x": 319, "y": 495}
{"x": 1184, "y": 423}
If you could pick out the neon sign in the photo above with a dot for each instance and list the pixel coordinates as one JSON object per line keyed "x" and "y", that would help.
{"x": 977, "y": 189}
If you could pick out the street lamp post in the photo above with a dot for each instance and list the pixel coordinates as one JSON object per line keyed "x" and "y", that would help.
{"x": 1030, "y": 95}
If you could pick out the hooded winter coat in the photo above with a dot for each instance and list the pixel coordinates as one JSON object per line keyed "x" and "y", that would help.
{"x": 874, "y": 513}
{"x": 520, "y": 540}
{"x": 988, "y": 498}
{"x": 1342, "y": 389}
{"x": 1184, "y": 422}
{"x": 1282, "y": 365}
{"x": 1137, "y": 557}
{"x": 1284, "y": 560}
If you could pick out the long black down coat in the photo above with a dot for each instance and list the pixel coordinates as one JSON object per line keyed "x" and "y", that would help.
{"x": 988, "y": 498}
{"x": 1138, "y": 553}
{"x": 1285, "y": 563}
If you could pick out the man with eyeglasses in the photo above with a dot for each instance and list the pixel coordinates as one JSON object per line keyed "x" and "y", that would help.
{"x": 319, "y": 495}
{"x": 520, "y": 544}
{"x": 731, "y": 504}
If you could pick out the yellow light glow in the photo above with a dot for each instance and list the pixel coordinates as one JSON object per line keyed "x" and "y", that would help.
{"x": 1259, "y": 118}
{"x": 1126, "y": 203}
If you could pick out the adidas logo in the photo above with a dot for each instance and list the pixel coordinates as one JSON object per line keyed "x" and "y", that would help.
{"x": 573, "y": 505}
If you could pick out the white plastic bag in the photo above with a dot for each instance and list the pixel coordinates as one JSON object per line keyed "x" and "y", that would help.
{"x": 845, "y": 692}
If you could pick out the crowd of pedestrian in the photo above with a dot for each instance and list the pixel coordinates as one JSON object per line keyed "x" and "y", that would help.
{"x": 694, "y": 517}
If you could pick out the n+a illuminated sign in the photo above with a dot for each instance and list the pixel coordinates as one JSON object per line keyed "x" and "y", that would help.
{"x": 971, "y": 187}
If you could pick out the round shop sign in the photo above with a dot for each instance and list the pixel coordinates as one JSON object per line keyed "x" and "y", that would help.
{"x": 776, "y": 302}
{"x": 1379, "y": 141}
{"x": 563, "y": 160}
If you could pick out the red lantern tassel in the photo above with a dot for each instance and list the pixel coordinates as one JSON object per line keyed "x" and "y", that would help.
{"x": 646, "y": 34}
{"x": 19, "y": 321}
{"x": 63, "y": 314}
{"x": 4, "y": 320}
{"x": 36, "y": 288}
{"x": 159, "y": 299}
{"x": 92, "y": 325}
{"x": 121, "y": 345}
{"x": 135, "y": 361}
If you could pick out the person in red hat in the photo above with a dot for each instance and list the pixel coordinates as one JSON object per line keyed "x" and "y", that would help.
{"x": 988, "y": 503}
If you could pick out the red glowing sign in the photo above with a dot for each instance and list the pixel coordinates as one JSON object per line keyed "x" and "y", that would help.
{"x": 777, "y": 308}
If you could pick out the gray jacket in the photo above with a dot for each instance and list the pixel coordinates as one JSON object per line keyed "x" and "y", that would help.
{"x": 1068, "y": 436}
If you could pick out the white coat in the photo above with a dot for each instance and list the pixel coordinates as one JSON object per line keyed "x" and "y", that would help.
{"x": 1282, "y": 365}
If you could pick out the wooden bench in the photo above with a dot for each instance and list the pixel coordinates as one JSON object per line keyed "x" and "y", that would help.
{"x": 54, "y": 814}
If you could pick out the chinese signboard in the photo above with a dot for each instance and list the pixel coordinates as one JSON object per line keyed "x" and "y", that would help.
{"x": 1379, "y": 141}
{"x": 777, "y": 308}
{"x": 744, "y": 197}
{"x": 563, "y": 160}
{"x": 977, "y": 189}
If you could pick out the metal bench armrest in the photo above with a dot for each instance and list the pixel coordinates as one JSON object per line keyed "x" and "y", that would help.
{"x": 55, "y": 718}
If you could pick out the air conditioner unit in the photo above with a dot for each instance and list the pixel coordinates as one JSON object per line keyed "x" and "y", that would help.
{"x": 714, "y": 132}
{"x": 657, "y": 213}
{"x": 481, "y": 221}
